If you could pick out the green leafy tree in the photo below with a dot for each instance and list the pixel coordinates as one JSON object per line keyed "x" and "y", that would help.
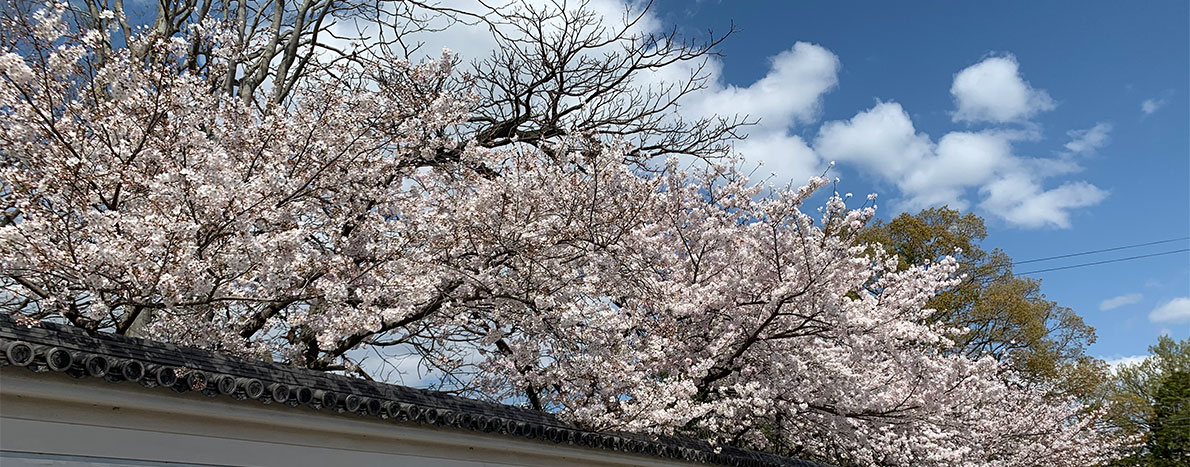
{"x": 1169, "y": 441}
{"x": 1151, "y": 400}
{"x": 1008, "y": 316}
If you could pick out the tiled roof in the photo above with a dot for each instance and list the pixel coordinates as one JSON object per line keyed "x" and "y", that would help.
{"x": 47, "y": 347}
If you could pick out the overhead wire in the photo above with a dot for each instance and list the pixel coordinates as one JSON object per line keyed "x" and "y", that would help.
{"x": 1105, "y": 261}
{"x": 1084, "y": 253}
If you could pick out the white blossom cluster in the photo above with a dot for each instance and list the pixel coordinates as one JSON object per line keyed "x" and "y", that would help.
{"x": 140, "y": 201}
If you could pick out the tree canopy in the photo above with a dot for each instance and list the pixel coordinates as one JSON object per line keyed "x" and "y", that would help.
{"x": 1009, "y": 318}
{"x": 1151, "y": 399}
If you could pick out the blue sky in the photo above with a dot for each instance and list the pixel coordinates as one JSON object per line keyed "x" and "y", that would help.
{"x": 1064, "y": 125}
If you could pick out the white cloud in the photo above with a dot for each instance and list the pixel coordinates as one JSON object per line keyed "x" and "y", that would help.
{"x": 789, "y": 94}
{"x": 1151, "y": 105}
{"x": 473, "y": 40}
{"x": 993, "y": 91}
{"x": 1021, "y": 201}
{"x": 1116, "y": 302}
{"x": 961, "y": 160}
{"x": 1173, "y": 311}
{"x": 781, "y": 156}
{"x": 1088, "y": 141}
{"x": 883, "y": 141}
{"x": 1115, "y": 363}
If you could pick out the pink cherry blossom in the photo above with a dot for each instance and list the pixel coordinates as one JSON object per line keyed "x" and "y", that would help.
{"x": 680, "y": 300}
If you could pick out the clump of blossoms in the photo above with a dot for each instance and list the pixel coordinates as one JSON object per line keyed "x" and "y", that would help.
{"x": 139, "y": 200}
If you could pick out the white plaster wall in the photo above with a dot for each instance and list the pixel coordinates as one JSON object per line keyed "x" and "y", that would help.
{"x": 52, "y": 419}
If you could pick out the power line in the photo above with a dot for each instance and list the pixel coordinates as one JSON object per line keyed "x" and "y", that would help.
{"x": 1105, "y": 261}
{"x": 1100, "y": 251}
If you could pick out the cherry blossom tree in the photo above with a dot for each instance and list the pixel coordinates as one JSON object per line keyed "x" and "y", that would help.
{"x": 554, "y": 67}
{"x": 141, "y": 198}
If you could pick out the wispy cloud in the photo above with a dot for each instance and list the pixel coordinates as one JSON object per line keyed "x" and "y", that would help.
{"x": 1152, "y": 105}
{"x": 1173, "y": 311}
{"x": 1116, "y": 302}
{"x": 1088, "y": 141}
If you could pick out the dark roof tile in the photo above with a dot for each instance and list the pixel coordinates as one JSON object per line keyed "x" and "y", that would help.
{"x": 409, "y": 404}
